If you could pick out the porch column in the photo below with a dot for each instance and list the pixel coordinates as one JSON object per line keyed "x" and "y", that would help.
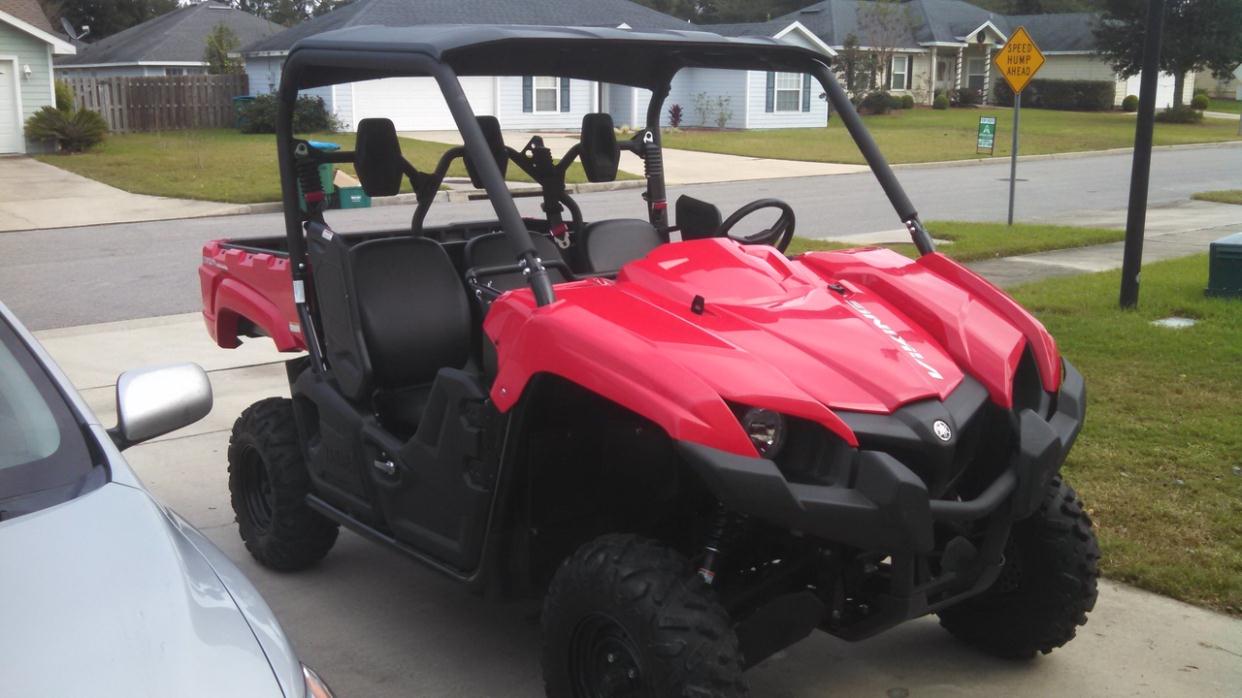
{"x": 987, "y": 75}
{"x": 931, "y": 79}
{"x": 958, "y": 76}
{"x": 634, "y": 109}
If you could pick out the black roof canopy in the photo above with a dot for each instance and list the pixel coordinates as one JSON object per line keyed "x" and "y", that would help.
{"x": 638, "y": 58}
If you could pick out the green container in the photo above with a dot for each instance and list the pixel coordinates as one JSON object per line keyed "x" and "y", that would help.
{"x": 239, "y": 108}
{"x": 352, "y": 197}
{"x": 327, "y": 172}
{"x": 1225, "y": 267}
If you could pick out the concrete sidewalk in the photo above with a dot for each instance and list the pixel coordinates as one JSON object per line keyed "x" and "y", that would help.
{"x": 37, "y": 195}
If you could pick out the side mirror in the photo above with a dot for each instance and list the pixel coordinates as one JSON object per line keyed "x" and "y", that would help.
{"x": 151, "y": 402}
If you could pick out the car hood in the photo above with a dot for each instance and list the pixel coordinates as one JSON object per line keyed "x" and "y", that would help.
{"x": 104, "y": 595}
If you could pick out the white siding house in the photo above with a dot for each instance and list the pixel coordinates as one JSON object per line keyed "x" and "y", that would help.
{"x": 27, "y": 45}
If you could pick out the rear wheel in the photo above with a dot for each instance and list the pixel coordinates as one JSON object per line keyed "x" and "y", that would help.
{"x": 627, "y": 617}
{"x": 1045, "y": 589}
{"x": 268, "y": 484}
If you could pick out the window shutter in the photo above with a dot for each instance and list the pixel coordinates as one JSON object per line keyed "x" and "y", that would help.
{"x": 769, "y": 103}
{"x": 806, "y": 92}
{"x": 564, "y": 94}
{"x": 528, "y": 94}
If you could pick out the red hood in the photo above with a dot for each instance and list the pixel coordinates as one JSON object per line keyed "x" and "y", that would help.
{"x": 846, "y": 349}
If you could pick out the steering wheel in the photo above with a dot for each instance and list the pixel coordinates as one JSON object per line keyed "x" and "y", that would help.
{"x": 779, "y": 235}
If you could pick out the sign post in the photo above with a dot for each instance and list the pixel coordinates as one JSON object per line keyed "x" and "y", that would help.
{"x": 986, "y": 141}
{"x": 1017, "y": 62}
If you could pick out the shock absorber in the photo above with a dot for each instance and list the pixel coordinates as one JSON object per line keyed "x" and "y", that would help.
{"x": 724, "y": 530}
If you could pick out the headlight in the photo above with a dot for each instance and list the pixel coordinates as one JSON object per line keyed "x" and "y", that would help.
{"x": 766, "y": 430}
{"x": 315, "y": 687}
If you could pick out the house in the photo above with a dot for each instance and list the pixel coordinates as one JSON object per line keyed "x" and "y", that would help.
{"x": 1228, "y": 87}
{"x": 27, "y": 44}
{"x": 941, "y": 45}
{"x": 171, "y": 44}
{"x": 537, "y": 102}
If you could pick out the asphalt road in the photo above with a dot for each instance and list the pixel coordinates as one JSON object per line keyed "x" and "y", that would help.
{"x": 74, "y": 276}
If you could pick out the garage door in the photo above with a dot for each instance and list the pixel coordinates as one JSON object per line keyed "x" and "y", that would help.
{"x": 10, "y": 124}
{"x": 415, "y": 104}
{"x": 1164, "y": 88}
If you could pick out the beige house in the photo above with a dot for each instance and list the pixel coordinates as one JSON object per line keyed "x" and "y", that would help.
{"x": 943, "y": 45}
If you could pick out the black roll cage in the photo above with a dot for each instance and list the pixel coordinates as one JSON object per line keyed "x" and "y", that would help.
{"x": 365, "y": 53}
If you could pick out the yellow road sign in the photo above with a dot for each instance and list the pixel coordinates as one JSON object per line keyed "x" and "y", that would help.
{"x": 1019, "y": 60}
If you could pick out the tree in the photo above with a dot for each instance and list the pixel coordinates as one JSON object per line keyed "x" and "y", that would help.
{"x": 1198, "y": 35}
{"x": 105, "y": 17}
{"x": 220, "y": 43}
{"x": 884, "y": 24}
{"x": 854, "y": 66}
{"x": 288, "y": 12}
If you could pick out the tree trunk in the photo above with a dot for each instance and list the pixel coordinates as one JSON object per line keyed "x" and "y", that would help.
{"x": 1179, "y": 84}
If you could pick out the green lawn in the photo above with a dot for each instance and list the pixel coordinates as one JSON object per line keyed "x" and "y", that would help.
{"x": 1229, "y": 106}
{"x": 927, "y": 135}
{"x": 974, "y": 241}
{"x": 1158, "y": 463}
{"x": 1222, "y": 196}
{"x": 224, "y": 165}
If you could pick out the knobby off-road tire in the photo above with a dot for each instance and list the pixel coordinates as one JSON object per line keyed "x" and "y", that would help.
{"x": 1046, "y": 588}
{"x": 626, "y": 616}
{"x": 268, "y": 484}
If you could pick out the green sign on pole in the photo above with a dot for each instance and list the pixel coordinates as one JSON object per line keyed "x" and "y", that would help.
{"x": 987, "y": 135}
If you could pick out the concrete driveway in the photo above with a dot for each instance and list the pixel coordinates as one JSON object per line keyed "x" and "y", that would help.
{"x": 375, "y": 624}
{"x": 37, "y": 195}
{"x": 680, "y": 166}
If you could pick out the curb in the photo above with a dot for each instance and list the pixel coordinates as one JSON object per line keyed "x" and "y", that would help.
{"x": 1062, "y": 156}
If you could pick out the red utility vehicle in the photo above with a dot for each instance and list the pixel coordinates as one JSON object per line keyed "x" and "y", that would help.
{"x": 699, "y": 448}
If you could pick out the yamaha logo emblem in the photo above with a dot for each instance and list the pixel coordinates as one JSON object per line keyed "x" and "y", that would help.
{"x": 943, "y": 432}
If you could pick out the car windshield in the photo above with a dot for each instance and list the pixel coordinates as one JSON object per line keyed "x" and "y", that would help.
{"x": 43, "y": 453}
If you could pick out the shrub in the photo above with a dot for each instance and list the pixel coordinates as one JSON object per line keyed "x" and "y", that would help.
{"x": 1179, "y": 115}
{"x": 310, "y": 114}
{"x": 878, "y": 102}
{"x": 64, "y": 96}
{"x": 967, "y": 97}
{"x": 907, "y": 101}
{"x": 74, "y": 131}
{"x": 1130, "y": 103}
{"x": 675, "y": 115}
{"x": 1072, "y": 95}
{"x": 940, "y": 102}
{"x": 1200, "y": 102}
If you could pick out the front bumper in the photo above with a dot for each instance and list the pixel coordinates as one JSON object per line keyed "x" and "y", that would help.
{"x": 886, "y": 507}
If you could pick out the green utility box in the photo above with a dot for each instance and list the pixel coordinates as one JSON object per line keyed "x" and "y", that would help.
{"x": 1225, "y": 267}
{"x": 352, "y": 197}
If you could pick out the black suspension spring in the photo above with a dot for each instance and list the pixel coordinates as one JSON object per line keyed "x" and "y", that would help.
{"x": 725, "y": 530}
{"x": 310, "y": 184}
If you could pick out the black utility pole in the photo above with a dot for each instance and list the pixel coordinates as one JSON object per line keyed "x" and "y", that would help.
{"x": 1140, "y": 172}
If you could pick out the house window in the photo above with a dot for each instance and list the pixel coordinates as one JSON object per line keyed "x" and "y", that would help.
{"x": 975, "y": 73}
{"x": 547, "y": 94}
{"x": 788, "y": 92}
{"x": 899, "y": 77}
{"x": 174, "y": 71}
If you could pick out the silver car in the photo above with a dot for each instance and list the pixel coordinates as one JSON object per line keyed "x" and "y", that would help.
{"x": 104, "y": 591}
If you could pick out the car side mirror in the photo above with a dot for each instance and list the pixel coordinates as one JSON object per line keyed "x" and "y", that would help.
{"x": 151, "y": 402}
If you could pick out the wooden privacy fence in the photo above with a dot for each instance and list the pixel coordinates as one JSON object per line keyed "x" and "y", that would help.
{"x": 131, "y": 105}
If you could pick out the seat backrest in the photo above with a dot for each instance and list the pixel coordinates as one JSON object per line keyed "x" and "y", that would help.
{"x": 697, "y": 219}
{"x": 598, "y": 151}
{"x": 490, "y": 126}
{"x": 412, "y": 309}
{"x": 378, "y": 159}
{"x": 611, "y": 244}
{"x": 494, "y": 250}
{"x": 344, "y": 347}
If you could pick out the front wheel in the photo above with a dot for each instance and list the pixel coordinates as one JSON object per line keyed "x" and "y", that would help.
{"x": 268, "y": 484}
{"x": 1045, "y": 589}
{"x": 627, "y": 617}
